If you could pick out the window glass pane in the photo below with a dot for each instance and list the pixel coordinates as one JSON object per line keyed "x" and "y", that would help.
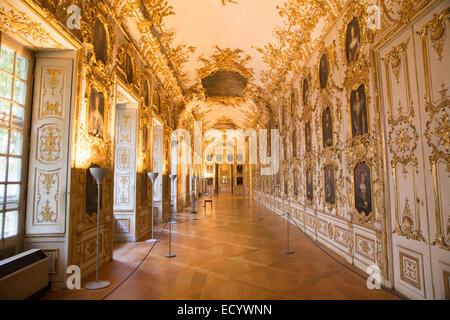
{"x": 20, "y": 91}
{"x": 2, "y": 169}
{"x": 15, "y": 145}
{"x": 12, "y": 196}
{"x": 11, "y": 220}
{"x": 1, "y": 224}
{"x": 15, "y": 166}
{"x": 5, "y": 86}
{"x": 5, "y": 109}
{"x": 2, "y": 195}
{"x": 18, "y": 117}
{"x": 21, "y": 67}
{"x": 4, "y": 136}
{"x": 7, "y": 59}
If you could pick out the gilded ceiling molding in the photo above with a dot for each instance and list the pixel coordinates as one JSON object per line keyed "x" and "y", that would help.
{"x": 19, "y": 23}
{"x": 154, "y": 42}
{"x": 295, "y": 44}
{"x": 401, "y": 11}
{"x": 226, "y": 60}
{"x": 225, "y": 2}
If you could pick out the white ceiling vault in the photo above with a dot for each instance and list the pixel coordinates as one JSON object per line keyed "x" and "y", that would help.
{"x": 205, "y": 24}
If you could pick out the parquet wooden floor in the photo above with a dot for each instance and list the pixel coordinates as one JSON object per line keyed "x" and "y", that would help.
{"x": 228, "y": 254}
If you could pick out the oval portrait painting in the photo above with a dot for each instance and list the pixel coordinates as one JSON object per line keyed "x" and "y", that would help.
{"x": 129, "y": 68}
{"x": 305, "y": 91}
{"x": 99, "y": 41}
{"x": 96, "y": 113}
{"x": 323, "y": 71}
{"x": 358, "y": 111}
{"x": 353, "y": 40}
{"x": 147, "y": 93}
{"x": 363, "y": 188}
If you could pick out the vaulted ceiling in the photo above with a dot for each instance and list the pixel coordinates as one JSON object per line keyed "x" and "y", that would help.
{"x": 205, "y": 24}
{"x": 227, "y": 53}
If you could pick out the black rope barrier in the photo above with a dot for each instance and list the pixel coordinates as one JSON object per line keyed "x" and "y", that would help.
{"x": 340, "y": 263}
{"x": 145, "y": 257}
{"x": 137, "y": 267}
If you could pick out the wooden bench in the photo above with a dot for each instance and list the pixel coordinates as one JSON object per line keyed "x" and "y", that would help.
{"x": 206, "y": 201}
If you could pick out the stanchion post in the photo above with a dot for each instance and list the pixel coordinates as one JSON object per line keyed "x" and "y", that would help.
{"x": 287, "y": 251}
{"x": 194, "y": 195}
{"x": 194, "y": 211}
{"x": 170, "y": 254}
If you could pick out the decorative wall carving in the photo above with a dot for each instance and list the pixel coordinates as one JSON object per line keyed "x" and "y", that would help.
{"x": 52, "y": 99}
{"x": 53, "y": 256}
{"x": 438, "y": 127}
{"x": 49, "y": 144}
{"x": 365, "y": 247}
{"x": 410, "y": 270}
{"x": 17, "y": 22}
{"x": 47, "y": 194}
{"x": 122, "y": 226}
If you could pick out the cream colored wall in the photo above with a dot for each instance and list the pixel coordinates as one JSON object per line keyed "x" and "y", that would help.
{"x": 417, "y": 268}
{"x": 415, "y": 107}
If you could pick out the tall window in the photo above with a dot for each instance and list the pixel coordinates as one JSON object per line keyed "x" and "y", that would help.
{"x": 14, "y": 82}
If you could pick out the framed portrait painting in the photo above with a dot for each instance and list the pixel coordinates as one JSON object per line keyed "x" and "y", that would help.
{"x": 327, "y": 128}
{"x": 100, "y": 41}
{"x": 309, "y": 184}
{"x": 146, "y": 93}
{"x": 294, "y": 144}
{"x": 295, "y": 183}
{"x": 308, "y": 136}
{"x": 363, "y": 188}
{"x": 305, "y": 91}
{"x": 129, "y": 68}
{"x": 323, "y": 71}
{"x": 358, "y": 111}
{"x": 144, "y": 138}
{"x": 330, "y": 193}
{"x": 353, "y": 40}
{"x": 96, "y": 113}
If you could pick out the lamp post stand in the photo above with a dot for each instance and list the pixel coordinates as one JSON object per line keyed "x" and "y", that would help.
{"x": 152, "y": 176}
{"x": 99, "y": 174}
{"x": 172, "y": 179}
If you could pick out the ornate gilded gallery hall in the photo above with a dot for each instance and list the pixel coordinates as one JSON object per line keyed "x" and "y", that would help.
{"x": 224, "y": 149}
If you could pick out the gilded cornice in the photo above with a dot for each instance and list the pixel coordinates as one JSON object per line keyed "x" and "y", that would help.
{"x": 153, "y": 42}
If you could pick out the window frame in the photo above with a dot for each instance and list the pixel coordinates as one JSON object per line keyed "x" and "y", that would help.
{"x": 16, "y": 241}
